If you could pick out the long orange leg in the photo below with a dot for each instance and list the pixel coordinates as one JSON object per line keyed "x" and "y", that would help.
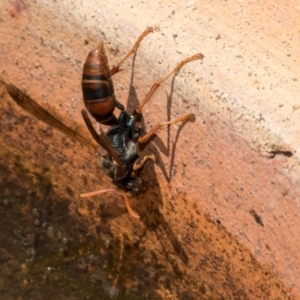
{"x": 147, "y": 136}
{"x": 131, "y": 212}
{"x": 116, "y": 69}
{"x": 160, "y": 81}
{"x": 95, "y": 193}
{"x": 140, "y": 163}
{"x": 129, "y": 209}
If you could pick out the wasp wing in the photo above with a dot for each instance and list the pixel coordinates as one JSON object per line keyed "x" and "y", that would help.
{"x": 48, "y": 117}
{"x": 101, "y": 138}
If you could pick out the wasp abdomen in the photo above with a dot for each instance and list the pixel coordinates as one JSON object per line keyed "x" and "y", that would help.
{"x": 98, "y": 88}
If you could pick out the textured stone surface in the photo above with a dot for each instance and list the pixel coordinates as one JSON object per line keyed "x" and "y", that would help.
{"x": 222, "y": 208}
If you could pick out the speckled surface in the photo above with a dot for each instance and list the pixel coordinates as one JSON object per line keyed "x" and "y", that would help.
{"x": 221, "y": 214}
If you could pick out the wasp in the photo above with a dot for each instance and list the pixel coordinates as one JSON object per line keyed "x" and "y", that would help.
{"x": 120, "y": 160}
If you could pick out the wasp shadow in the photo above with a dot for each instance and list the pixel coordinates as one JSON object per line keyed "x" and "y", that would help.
{"x": 151, "y": 202}
{"x": 167, "y": 150}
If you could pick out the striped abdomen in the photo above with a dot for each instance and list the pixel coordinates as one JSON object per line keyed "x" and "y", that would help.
{"x": 98, "y": 88}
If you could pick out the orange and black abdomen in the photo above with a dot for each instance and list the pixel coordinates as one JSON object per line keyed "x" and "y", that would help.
{"x": 98, "y": 88}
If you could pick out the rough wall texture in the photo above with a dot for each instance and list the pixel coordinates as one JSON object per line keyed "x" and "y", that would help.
{"x": 221, "y": 211}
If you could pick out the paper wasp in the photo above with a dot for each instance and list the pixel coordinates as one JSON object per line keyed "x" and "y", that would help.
{"x": 121, "y": 162}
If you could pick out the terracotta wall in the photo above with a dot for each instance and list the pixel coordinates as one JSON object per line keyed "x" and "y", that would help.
{"x": 226, "y": 187}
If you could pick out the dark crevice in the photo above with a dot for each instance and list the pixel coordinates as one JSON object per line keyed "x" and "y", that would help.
{"x": 284, "y": 153}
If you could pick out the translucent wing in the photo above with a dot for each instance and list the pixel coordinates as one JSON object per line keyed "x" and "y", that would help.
{"x": 101, "y": 138}
{"x": 48, "y": 117}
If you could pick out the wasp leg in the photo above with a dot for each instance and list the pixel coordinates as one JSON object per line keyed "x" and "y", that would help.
{"x": 95, "y": 193}
{"x": 147, "y": 136}
{"x": 131, "y": 212}
{"x": 160, "y": 81}
{"x": 129, "y": 209}
{"x": 138, "y": 164}
{"x": 116, "y": 69}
